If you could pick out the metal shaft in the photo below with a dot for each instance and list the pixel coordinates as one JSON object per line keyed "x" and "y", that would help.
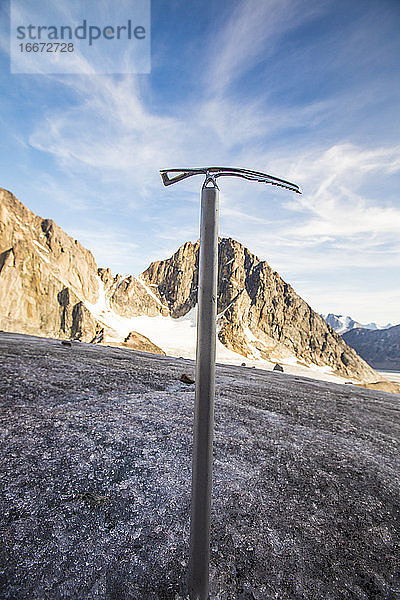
{"x": 204, "y": 398}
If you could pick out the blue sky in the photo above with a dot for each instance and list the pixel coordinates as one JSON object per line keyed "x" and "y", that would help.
{"x": 306, "y": 91}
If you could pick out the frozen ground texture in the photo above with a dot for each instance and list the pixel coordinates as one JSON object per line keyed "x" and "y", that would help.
{"x": 96, "y": 446}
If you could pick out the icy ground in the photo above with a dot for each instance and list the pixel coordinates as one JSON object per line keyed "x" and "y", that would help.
{"x": 96, "y": 447}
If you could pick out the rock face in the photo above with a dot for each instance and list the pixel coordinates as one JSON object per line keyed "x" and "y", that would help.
{"x": 47, "y": 278}
{"x": 130, "y": 297}
{"x": 259, "y": 315}
{"x": 50, "y": 285}
{"x": 381, "y": 349}
{"x": 174, "y": 280}
{"x": 44, "y": 276}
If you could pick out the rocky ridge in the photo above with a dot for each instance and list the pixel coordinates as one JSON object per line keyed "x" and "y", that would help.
{"x": 50, "y": 285}
{"x": 380, "y": 349}
{"x": 342, "y": 324}
{"x": 45, "y": 276}
{"x": 259, "y": 314}
{"x": 48, "y": 280}
{"x": 129, "y": 297}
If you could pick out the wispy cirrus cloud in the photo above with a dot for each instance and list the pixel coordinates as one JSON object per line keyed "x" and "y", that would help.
{"x": 113, "y": 139}
{"x": 333, "y": 202}
{"x": 250, "y": 33}
{"x": 108, "y": 249}
{"x": 114, "y": 134}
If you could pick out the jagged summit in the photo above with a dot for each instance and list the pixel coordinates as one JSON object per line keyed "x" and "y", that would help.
{"x": 259, "y": 314}
{"x": 342, "y": 324}
{"x": 51, "y": 286}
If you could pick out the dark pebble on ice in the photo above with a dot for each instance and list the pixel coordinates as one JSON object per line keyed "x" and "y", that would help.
{"x": 186, "y": 378}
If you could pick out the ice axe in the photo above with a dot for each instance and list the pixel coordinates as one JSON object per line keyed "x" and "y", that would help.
{"x": 198, "y": 578}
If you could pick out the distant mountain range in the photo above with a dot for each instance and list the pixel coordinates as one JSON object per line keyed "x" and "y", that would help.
{"x": 341, "y": 324}
{"x": 380, "y": 348}
{"x": 50, "y": 286}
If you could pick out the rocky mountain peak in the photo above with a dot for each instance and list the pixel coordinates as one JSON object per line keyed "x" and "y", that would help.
{"x": 380, "y": 348}
{"x": 50, "y": 285}
{"x": 44, "y": 275}
{"x": 174, "y": 281}
{"x": 259, "y": 314}
{"x": 341, "y": 324}
{"x": 107, "y": 277}
{"x": 48, "y": 279}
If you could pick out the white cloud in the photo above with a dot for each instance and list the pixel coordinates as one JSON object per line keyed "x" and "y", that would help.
{"x": 331, "y": 199}
{"x": 110, "y": 132}
{"x": 331, "y": 225}
{"x": 114, "y": 136}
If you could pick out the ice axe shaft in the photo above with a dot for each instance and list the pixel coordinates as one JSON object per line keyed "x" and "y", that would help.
{"x": 199, "y": 557}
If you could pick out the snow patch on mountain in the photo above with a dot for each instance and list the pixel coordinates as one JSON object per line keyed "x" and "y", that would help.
{"x": 41, "y": 246}
{"x": 177, "y": 337}
{"x": 150, "y": 292}
{"x": 341, "y": 323}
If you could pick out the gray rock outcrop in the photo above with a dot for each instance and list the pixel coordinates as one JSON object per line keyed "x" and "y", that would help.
{"x": 96, "y": 471}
